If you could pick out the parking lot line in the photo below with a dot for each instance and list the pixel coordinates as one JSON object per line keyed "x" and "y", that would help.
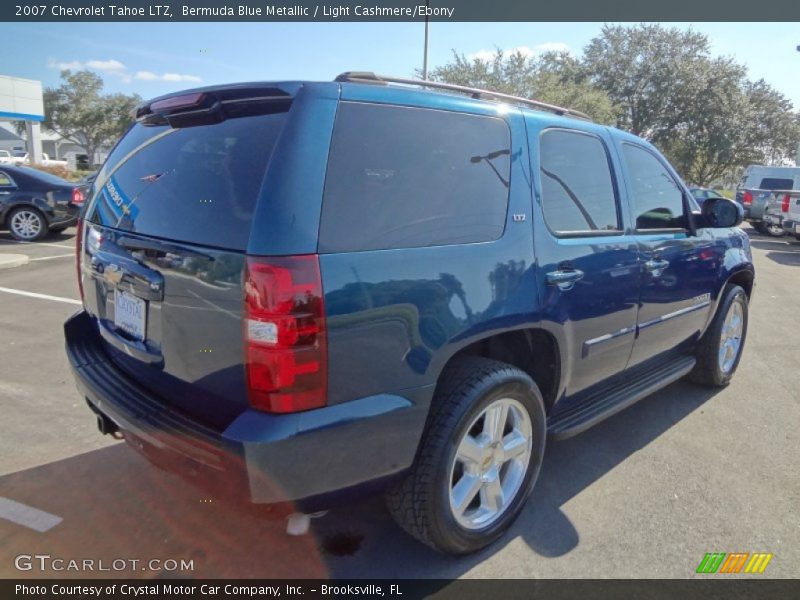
{"x": 27, "y": 516}
{"x": 40, "y": 296}
{"x": 71, "y": 255}
{"x": 52, "y": 245}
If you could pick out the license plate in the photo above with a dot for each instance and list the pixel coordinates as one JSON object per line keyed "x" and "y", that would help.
{"x": 130, "y": 314}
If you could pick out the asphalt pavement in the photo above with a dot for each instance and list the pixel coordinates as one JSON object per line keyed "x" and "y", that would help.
{"x": 644, "y": 494}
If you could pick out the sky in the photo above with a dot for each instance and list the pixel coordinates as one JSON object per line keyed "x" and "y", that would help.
{"x": 156, "y": 58}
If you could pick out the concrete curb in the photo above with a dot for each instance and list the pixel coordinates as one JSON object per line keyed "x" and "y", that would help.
{"x": 8, "y": 261}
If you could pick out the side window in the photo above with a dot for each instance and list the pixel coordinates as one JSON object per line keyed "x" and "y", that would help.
{"x": 401, "y": 177}
{"x": 5, "y": 181}
{"x": 656, "y": 198}
{"x": 578, "y": 193}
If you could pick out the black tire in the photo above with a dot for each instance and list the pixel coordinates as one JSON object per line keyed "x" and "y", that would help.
{"x": 27, "y": 212}
{"x": 708, "y": 371}
{"x": 420, "y": 503}
{"x": 760, "y": 227}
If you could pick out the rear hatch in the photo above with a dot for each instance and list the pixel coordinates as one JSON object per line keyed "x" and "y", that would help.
{"x": 164, "y": 241}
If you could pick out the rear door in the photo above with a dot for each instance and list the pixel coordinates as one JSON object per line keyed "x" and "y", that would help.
{"x": 589, "y": 261}
{"x": 163, "y": 256}
{"x": 677, "y": 269}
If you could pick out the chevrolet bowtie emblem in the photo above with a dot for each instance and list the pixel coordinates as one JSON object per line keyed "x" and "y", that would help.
{"x": 113, "y": 274}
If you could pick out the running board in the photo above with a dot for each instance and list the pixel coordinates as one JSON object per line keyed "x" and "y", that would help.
{"x": 602, "y": 404}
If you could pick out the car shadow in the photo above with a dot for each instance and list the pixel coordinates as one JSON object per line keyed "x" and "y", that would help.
{"x": 114, "y": 504}
{"x": 569, "y": 467}
{"x": 784, "y": 251}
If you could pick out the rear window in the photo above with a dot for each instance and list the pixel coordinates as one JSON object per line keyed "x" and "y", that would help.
{"x": 401, "y": 177}
{"x": 197, "y": 184}
{"x": 775, "y": 183}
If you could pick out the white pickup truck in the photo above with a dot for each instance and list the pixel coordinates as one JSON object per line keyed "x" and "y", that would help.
{"x": 788, "y": 203}
{"x": 46, "y": 161}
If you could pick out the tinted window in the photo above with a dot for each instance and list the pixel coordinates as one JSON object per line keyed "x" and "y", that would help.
{"x": 577, "y": 188}
{"x": 403, "y": 177}
{"x": 775, "y": 183}
{"x": 198, "y": 184}
{"x": 657, "y": 201}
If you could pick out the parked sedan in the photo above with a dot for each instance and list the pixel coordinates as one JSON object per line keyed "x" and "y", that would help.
{"x": 34, "y": 203}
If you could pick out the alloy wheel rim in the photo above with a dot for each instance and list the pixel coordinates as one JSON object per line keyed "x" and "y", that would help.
{"x": 490, "y": 464}
{"x": 730, "y": 342}
{"x": 26, "y": 224}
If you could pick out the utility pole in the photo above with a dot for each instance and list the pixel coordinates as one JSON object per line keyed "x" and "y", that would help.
{"x": 425, "y": 51}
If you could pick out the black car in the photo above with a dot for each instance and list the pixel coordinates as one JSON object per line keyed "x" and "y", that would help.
{"x": 34, "y": 203}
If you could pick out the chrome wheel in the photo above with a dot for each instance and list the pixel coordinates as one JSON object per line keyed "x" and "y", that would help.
{"x": 730, "y": 341}
{"x": 490, "y": 463}
{"x": 26, "y": 224}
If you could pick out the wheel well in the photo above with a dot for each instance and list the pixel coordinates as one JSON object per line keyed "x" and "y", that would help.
{"x": 743, "y": 279}
{"x": 532, "y": 350}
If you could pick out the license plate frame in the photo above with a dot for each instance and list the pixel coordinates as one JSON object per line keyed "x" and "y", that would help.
{"x": 130, "y": 314}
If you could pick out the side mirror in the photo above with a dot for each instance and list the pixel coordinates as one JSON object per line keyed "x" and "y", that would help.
{"x": 721, "y": 212}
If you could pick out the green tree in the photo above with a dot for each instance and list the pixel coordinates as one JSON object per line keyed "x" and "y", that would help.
{"x": 78, "y": 111}
{"x": 553, "y": 77}
{"x": 703, "y": 112}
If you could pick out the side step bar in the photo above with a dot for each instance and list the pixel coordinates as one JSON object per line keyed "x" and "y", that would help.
{"x": 602, "y": 404}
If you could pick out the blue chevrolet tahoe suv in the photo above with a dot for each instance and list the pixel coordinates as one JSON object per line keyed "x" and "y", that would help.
{"x": 296, "y": 290}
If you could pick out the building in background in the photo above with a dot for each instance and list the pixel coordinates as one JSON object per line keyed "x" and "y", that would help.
{"x": 22, "y": 100}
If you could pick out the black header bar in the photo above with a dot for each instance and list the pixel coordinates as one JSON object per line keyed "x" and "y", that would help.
{"x": 398, "y": 10}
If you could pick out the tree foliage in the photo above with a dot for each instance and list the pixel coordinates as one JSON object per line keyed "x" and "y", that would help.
{"x": 79, "y": 111}
{"x": 553, "y": 77}
{"x": 659, "y": 83}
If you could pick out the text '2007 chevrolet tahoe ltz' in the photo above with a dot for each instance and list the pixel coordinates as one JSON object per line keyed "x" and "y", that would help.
{"x": 299, "y": 289}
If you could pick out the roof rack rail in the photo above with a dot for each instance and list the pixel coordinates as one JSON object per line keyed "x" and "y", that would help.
{"x": 478, "y": 94}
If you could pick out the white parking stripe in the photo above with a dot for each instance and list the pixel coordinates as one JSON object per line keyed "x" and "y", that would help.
{"x": 27, "y": 516}
{"x": 40, "y": 296}
{"x": 14, "y": 243}
{"x": 52, "y": 257}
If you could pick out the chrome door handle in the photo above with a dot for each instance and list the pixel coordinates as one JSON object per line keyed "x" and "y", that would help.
{"x": 564, "y": 278}
{"x": 656, "y": 266}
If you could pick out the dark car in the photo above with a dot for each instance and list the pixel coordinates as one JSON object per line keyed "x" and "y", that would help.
{"x": 294, "y": 291}
{"x": 34, "y": 203}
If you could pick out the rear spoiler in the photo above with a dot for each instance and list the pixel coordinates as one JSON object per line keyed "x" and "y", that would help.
{"x": 214, "y": 105}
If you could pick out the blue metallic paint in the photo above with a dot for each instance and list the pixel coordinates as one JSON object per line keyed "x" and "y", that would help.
{"x": 396, "y": 317}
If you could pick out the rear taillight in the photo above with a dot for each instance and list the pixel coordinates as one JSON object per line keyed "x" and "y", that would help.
{"x": 747, "y": 198}
{"x": 77, "y": 197}
{"x": 785, "y": 204}
{"x": 78, "y": 251}
{"x": 286, "y": 349}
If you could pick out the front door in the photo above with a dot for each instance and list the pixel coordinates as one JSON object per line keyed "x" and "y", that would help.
{"x": 677, "y": 267}
{"x": 588, "y": 261}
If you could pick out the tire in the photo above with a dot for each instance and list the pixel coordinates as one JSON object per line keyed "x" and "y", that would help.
{"x": 760, "y": 227}
{"x": 26, "y": 224}
{"x": 774, "y": 230}
{"x": 712, "y": 368}
{"x": 469, "y": 390}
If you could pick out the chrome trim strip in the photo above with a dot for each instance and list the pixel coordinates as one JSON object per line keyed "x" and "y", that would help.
{"x": 674, "y": 314}
{"x": 588, "y": 345}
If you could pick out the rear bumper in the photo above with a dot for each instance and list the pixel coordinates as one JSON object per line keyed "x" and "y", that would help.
{"x": 789, "y": 225}
{"x": 259, "y": 457}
